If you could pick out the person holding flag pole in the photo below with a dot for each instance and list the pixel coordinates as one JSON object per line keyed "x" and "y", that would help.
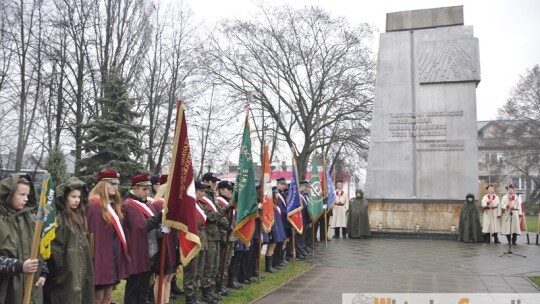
{"x": 294, "y": 209}
{"x": 180, "y": 210}
{"x": 18, "y": 244}
{"x": 328, "y": 197}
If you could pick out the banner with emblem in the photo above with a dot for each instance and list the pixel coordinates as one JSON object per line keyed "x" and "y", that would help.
{"x": 49, "y": 217}
{"x": 294, "y": 206}
{"x": 267, "y": 217}
{"x": 315, "y": 204}
{"x": 330, "y": 196}
{"x": 245, "y": 193}
{"x": 179, "y": 208}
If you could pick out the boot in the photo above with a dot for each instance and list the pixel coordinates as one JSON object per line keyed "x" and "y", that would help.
{"x": 284, "y": 261}
{"x": 485, "y": 237}
{"x": 268, "y": 264}
{"x": 508, "y": 238}
{"x": 496, "y": 239}
{"x": 207, "y": 295}
{"x": 336, "y": 233}
{"x": 192, "y": 299}
{"x": 344, "y": 231}
{"x": 223, "y": 291}
{"x": 174, "y": 287}
{"x": 514, "y": 238}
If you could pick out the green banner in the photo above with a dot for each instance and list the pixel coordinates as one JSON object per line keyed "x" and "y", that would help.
{"x": 315, "y": 204}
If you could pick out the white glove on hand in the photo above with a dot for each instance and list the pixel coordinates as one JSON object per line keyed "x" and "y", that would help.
{"x": 166, "y": 229}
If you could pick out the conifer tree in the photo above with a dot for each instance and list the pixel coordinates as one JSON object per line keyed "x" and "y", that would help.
{"x": 111, "y": 138}
{"x": 56, "y": 166}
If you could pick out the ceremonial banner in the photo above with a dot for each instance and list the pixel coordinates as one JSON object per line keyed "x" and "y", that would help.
{"x": 294, "y": 206}
{"x": 245, "y": 193}
{"x": 49, "y": 219}
{"x": 315, "y": 204}
{"x": 331, "y": 195}
{"x": 179, "y": 209}
{"x": 267, "y": 218}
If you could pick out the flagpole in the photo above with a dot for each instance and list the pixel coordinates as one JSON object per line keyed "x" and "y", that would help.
{"x": 260, "y": 249}
{"x": 35, "y": 240}
{"x": 313, "y": 239}
{"x": 162, "y": 267}
{"x": 326, "y": 228}
{"x": 224, "y": 257}
{"x": 293, "y": 248}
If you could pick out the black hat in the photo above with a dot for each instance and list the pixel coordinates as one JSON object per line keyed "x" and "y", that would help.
{"x": 304, "y": 183}
{"x": 281, "y": 180}
{"x": 274, "y": 189}
{"x": 201, "y": 185}
{"x": 209, "y": 176}
{"x": 225, "y": 185}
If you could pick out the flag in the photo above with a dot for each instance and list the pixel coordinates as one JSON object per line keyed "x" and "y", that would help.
{"x": 315, "y": 204}
{"x": 49, "y": 217}
{"x": 267, "y": 218}
{"x": 294, "y": 207}
{"x": 179, "y": 209}
{"x": 245, "y": 194}
{"x": 331, "y": 195}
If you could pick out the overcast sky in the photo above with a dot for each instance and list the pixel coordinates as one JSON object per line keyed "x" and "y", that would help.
{"x": 508, "y": 31}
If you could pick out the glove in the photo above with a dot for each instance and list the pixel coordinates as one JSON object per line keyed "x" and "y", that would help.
{"x": 229, "y": 230}
{"x": 229, "y": 208}
{"x": 166, "y": 229}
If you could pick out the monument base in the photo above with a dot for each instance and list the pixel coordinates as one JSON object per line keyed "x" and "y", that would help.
{"x": 406, "y": 214}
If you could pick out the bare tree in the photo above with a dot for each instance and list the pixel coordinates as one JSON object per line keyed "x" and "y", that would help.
{"x": 311, "y": 73}
{"x": 519, "y": 121}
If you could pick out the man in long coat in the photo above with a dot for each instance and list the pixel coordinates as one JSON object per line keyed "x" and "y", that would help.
{"x": 358, "y": 220}
{"x": 339, "y": 211}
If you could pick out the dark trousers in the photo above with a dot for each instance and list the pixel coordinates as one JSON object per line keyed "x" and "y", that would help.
{"x": 137, "y": 288}
{"x": 244, "y": 272}
{"x": 321, "y": 225}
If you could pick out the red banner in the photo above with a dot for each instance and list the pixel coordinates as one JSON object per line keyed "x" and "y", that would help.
{"x": 267, "y": 218}
{"x": 179, "y": 209}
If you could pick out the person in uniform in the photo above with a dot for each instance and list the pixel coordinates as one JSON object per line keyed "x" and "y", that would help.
{"x": 304, "y": 245}
{"x": 141, "y": 221}
{"x": 191, "y": 270}
{"x": 284, "y": 251}
{"x": 105, "y": 226}
{"x": 71, "y": 275}
{"x": 511, "y": 215}
{"x": 491, "y": 212}
{"x": 358, "y": 219}
{"x": 172, "y": 254}
{"x": 469, "y": 221}
{"x": 17, "y": 222}
{"x": 278, "y": 258}
{"x": 338, "y": 221}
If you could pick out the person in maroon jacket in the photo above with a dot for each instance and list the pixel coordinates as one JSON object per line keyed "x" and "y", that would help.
{"x": 108, "y": 243}
{"x": 141, "y": 219}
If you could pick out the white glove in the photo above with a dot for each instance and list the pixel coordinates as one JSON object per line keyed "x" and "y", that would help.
{"x": 166, "y": 229}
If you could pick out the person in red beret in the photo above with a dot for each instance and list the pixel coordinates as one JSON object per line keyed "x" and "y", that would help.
{"x": 511, "y": 214}
{"x": 142, "y": 222}
{"x": 491, "y": 215}
{"x": 108, "y": 243}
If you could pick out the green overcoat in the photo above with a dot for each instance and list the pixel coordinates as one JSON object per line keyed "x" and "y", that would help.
{"x": 71, "y": 273}
{"x": 16, "y": 234}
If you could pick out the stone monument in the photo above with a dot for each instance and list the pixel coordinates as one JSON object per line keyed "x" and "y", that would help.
{"x": 423, "y": 152}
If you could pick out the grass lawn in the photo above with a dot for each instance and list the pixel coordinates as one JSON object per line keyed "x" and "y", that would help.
{"x": 246, "y": 295}
{"x": 535, "y": 280}
{"x": 532, "y": 223}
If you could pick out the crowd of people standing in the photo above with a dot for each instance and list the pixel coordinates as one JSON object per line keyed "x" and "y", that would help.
{"x": 102, "y": 238}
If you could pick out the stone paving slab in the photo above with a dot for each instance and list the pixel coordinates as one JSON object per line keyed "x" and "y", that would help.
{"x": 410, "y": 266}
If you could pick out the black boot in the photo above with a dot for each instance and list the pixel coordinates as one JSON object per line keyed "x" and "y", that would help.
{"x": 192, "y": 299}
{"x": 174, "y": 287}
{"x": 268, "y": 265}
{"x": 508, "y": 238}
{"x": 283, "y": 259}
{"x": 514, "y": 238}
{"x": 223, "y": 291}
{"x": 207, "y": 295}
{"x": 234, "y": 268}
{"x": 485, "y": 237}
{"x": 336, "y": 233}
{"x": 344, "y": 231}
{"x": 496, "y": 238}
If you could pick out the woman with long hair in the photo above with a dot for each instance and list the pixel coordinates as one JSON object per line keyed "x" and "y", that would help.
{"x": 108, "y": 243}
{"x": 71, "y": 274}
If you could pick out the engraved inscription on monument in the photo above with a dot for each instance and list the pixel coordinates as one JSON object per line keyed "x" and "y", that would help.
{"x": 420, "y": 124}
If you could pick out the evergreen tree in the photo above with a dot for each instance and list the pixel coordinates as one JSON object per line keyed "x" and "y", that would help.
{"x": 56, "y": 166}
{"x": 111, "y": 137}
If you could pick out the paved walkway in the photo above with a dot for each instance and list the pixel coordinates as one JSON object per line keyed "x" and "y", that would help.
{"x": 410, "y": 266}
